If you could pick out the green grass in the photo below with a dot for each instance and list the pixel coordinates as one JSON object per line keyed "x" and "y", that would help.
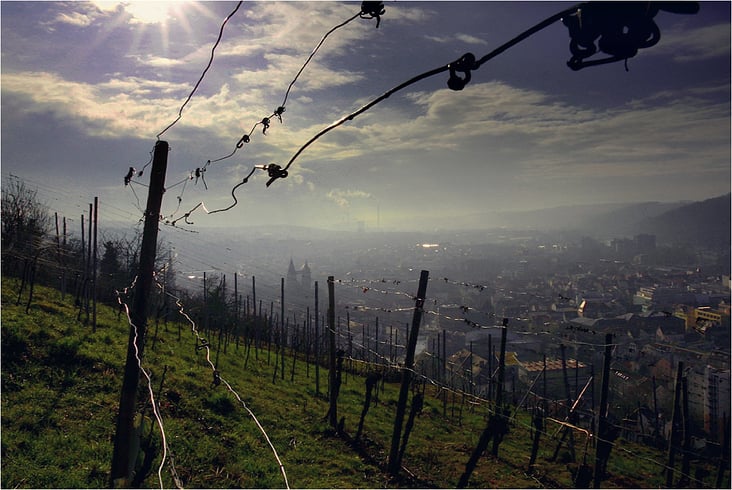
{"x": 60, "y": 391}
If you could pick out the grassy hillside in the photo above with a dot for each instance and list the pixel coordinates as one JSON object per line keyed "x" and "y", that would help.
{"x": 61, "y": 385}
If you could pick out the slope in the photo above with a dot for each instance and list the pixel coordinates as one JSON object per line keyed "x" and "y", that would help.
{"x": 60, "y": 389}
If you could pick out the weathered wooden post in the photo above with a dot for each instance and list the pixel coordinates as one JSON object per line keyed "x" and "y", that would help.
{"x": 94, "y": 266}
{"x": 603, "y": 444}
{"x": 497, "y": 423}
{"x": 122, "y": 459}
{"x": 332, "y": 387}
{"x": 317, "y": 347}
{"x": 393, "y": 465}
{"x": 673, "y": 438}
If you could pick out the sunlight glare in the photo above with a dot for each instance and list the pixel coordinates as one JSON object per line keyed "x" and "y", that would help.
{"x": 153, "y": 12}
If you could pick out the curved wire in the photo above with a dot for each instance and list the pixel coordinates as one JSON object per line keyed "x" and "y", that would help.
{"x": 154, "y": 405}
{"x": 315, "y": 50}
{"x": 217, "y": 377}
{"x": 364, "y": 108}
{"x": 277, "y": 113}
{"x": 541, "y": 25}
{"x": 210, "y": 61}
{"x": 202, "y": 205}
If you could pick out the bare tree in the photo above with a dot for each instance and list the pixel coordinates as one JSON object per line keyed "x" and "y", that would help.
{"x": 25, "y": 224}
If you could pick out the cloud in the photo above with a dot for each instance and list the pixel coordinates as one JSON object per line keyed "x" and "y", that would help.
{"x": 282, "y": 68}
{"x": 74, "y": 18}
{"x": 464, "y": 38}
{"x": 535, "y": 136}
{"x": 467, "y": 38}
{"x": 343, "y": 197}
{"x": 116, "y": 108}
{"x": 696, "y": 44}
{"x": 157, "y": 61}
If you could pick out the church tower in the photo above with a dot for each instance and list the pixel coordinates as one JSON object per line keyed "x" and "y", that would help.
{"x": 306, "y": 277}
{"x": 291, "y": 282}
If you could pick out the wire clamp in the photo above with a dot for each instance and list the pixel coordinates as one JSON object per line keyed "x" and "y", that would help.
{"x": 216, "y": 378}
{"x": 278, "y": 112}
{"x": 244, "y": 139}
{"x": 130, "y": 174}
{"x": 620, "y": 29}
{"x": 265, "y": 125}
{"x": 463, "y": 65}
{"x": 199, "y": 175}
{"x": 275, "y": 172}
{"x": 204, "y": 345}
{"x": 372, "y": 10}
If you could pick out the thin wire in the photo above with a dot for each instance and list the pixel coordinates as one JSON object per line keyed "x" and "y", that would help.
{"x": 545, "y": 23}
{"x": 218, "y": 377}
{"x": 284, "y": 101}
{"x": 203, "y": 206}
{"x": 265, "y": 121}
{"x": 210, "y": 61}
{"x": 149, "y": 383}
{"x": 364, "y": 108}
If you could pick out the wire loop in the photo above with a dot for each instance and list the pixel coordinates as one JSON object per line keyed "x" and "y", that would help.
{"x": 275, "y": 172}
{"x": 372, "y": 10}
{"x": 619, "y": 29}
{"x": 130, "y": 174}
{"x": 463, "y": 65}
{"x": 278, "y": 112}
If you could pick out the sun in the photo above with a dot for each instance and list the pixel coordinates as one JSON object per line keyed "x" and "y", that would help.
{"x": 146, "y": 11}
{"x": 153, "y": 11}
{"x": 156, "y": 16}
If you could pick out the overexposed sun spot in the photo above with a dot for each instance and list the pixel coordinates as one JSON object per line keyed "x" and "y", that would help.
{"x": 153, "y": 11}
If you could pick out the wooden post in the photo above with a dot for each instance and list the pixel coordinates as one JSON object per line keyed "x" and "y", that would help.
{"x": 58, "y": 240}
{"x": 88, "y": 263}
{"x": 655, "y": 411}
{"x": 237, "y": 307}
{"x": 501, "y": 382}
{"x": 490, "y": 367}
{"x": 686, "y": 431}
{"x": 470, "y": 372}
{"x": 568, "y": 392}
{"x": 332, "y": 388}
{"x": 545, "y": 404}
{"x": 496, "y": 422}
{"x": 393, "y": 466}
{"x": 376, "y": 342}
{"x": 317, "y": 350}
{"x": 724, "y": 452}
{"x": 538, "y": 428}
{"x": 80, "y": 287}
{"x": 602, "y": 419}
{"x": 205, "y": 304}
{"x": 283, "y": 333}
{"x": 63, "y": 273}
{"x": 94, "y": 266}
{"x": 674, "y": 425}
{"x": 123, "y": 460}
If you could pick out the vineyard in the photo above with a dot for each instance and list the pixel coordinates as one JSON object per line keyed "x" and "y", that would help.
{"x": 260, "y": 416}
{"x": 114, "y": 375}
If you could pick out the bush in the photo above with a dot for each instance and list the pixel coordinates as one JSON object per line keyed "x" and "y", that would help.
{"x": 221, "y": 403}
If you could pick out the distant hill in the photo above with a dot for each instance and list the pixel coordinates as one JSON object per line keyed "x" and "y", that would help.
{"x": 700, "y": 223}
{"x": 681, "y": 222}
{"x": 628, "y": 220}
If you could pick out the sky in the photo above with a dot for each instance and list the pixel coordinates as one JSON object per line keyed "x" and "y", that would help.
{"x": 88, "y": 86}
